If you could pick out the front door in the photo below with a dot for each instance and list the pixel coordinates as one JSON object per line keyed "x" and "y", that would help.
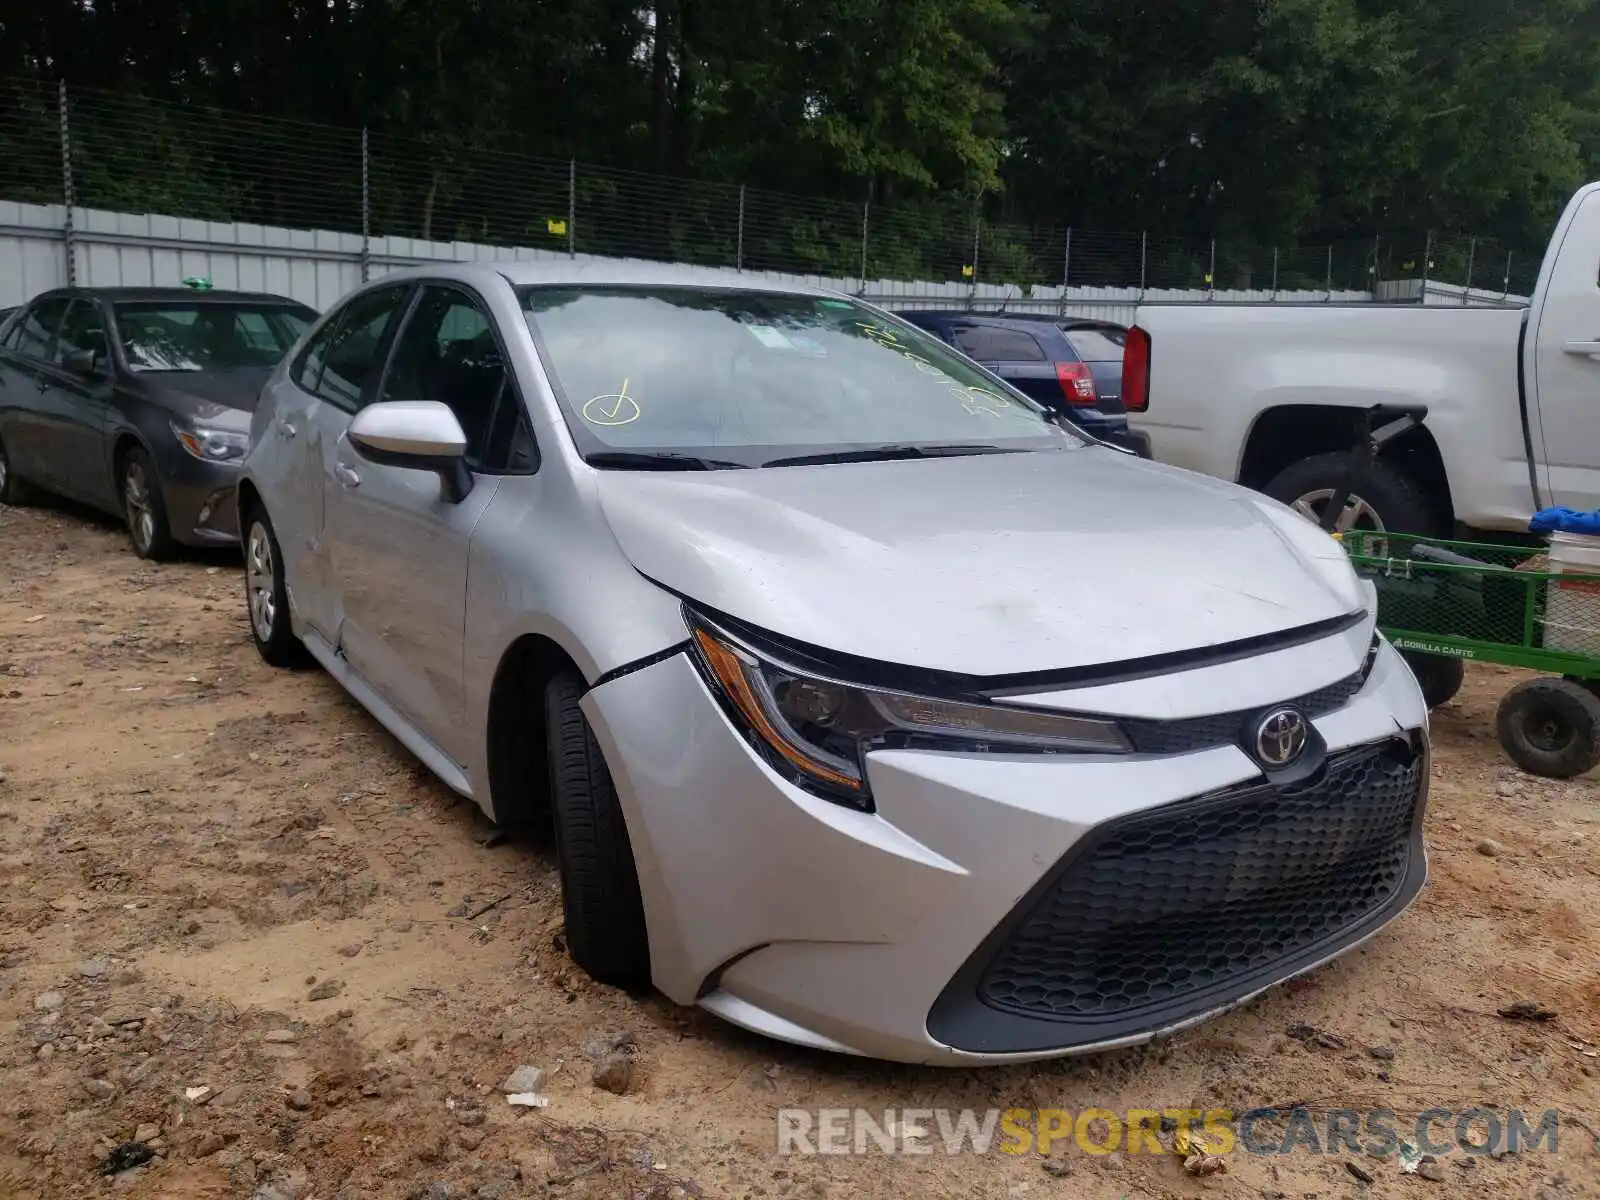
{"x": 399, "y": 549}
{"x": 1564, "y": 364}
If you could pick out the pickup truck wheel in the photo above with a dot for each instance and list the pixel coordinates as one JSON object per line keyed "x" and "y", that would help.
{"x": 1384, "y": 500}
{"x": 1439, "y": 677}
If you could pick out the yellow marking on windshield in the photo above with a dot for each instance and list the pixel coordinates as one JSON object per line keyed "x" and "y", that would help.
{"x": 614, "y": 408}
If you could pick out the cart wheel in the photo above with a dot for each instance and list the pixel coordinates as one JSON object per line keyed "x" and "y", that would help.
{"x": 1588, "y": 685}
{"x": 1550, "y": 727}
{"x": 1439, "y": 677}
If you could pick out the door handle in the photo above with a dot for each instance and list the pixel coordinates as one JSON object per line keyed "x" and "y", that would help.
{"x": 1582, "y": 349}
{"x": 346, "y": 474}
{"x": 287, "y": 428}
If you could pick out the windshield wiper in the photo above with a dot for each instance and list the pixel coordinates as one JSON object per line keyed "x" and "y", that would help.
{"x": 884, "y": 453}
{"x": 657, "y": 460}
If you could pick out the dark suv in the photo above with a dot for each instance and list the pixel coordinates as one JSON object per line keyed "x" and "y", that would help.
{"x": 1035, "y": 353}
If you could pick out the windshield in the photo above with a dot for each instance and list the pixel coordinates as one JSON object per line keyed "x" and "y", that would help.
{"x": 197, "y": 336}
{"x": 718, "y": 377}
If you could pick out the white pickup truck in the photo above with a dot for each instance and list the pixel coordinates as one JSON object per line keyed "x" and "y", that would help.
{"x": 1272, "y": 396}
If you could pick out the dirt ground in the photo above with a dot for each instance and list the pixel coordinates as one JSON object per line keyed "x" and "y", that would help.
{"x": 193, "y": 847}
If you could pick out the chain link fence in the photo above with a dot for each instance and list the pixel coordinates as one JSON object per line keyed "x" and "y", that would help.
{"x": 122, "y": 153}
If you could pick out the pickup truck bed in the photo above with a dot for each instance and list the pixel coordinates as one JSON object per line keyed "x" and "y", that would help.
{"x": 1269, "y": 395}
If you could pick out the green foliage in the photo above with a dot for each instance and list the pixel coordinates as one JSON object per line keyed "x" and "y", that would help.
{"x": 1253, "y": 122}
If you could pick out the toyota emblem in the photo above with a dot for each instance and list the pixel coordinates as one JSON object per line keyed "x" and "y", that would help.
{"x": 1281, "y": 737}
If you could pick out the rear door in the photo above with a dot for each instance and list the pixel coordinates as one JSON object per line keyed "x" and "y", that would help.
{"x": 81, "y": 406}
{"x": 310, "y": 411}
{"x": 1564, "y": 357}
{"x": 26, "y": 408}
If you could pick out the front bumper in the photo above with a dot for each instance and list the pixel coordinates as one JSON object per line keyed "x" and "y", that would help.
{"x": 201, "y": 510}
{"x": 878, "y": 933}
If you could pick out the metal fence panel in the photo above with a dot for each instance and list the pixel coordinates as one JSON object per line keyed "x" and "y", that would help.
{"x": 139, "y": 190}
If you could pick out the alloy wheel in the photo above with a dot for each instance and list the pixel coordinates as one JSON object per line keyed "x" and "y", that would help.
{"x": 136, "y": 500}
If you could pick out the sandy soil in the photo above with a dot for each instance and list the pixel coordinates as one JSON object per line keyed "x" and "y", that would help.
{"x": 192, "y": 846}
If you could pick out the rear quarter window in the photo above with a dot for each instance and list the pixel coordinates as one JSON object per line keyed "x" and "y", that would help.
{"x": 1097, "y": 345}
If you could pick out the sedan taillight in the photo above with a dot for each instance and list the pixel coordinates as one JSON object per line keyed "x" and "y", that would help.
{"x": 1077, "y": 382}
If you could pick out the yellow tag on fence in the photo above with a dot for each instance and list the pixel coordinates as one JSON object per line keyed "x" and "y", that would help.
{"x": 559, "y": 228}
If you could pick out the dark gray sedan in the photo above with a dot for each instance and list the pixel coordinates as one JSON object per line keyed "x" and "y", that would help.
{"x": 137, "y": 401}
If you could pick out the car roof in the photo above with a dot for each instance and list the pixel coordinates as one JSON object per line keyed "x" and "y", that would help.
{"x": 171, "y": 294}
{"x": 959, "y": 314}
{"x": 601, "y": 272}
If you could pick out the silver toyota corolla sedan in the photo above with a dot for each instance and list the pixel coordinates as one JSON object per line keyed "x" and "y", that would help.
{"x": 871, "y": 707}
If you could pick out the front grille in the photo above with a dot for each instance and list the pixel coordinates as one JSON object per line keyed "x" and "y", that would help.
{"x": 1175, "y": 902}
{"x": 1220, "y": 729}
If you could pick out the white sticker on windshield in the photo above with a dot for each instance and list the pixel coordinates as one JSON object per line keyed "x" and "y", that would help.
{"x": 772, "y": 339}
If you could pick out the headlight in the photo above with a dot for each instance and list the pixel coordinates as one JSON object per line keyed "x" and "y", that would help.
{"x": 817, "y": 731}
{"x": 212, "y": 445}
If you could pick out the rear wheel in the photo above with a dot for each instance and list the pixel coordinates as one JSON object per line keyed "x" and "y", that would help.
{"x": 144, "y": 508}
{"x": 1439, "y": 677}
{"x": 1382, "y": 500}
{"x": 267, "y": 595}
{"x": 1550, "y": 727}
{"x": 599, "y": 883}
{"x": 14, "y": 489}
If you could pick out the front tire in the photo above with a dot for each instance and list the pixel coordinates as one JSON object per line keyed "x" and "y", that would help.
{"x": 1382, "y": 499}
{"x": 1550, "y": 727}
{"x": 1439, "y": 676}
{"x": 266, "y": 595}
{"x": 144, "y": 509}
{"x": 14, "y": 490}
{"x": 599, "y": 884}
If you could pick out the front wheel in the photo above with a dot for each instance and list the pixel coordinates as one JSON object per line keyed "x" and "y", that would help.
{"x": 1382, "y": 500}
{"x": 1550, "y": 727}
{"x": 14, "y": 490}
{"x": 1439, "y": 677}
{"x": 267, "y": 595}
{"x": 599, "y": 883}
{"x": 144, "y": 508}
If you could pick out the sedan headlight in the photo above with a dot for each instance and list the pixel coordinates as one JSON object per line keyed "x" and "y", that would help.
{"x": 212, "y": 445}
{"x": 817, "y": 731}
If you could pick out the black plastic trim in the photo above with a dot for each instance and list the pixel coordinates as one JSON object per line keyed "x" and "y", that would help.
{"x": 961, "y": 1020}
{"x": 640, "y": 664}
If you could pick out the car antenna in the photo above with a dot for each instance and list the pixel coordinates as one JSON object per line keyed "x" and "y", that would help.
{"x": 199, "y": 283}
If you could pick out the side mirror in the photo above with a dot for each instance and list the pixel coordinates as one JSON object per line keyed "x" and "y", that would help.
{"x": 418, "y": 435}
{"x": 81, "y": 362}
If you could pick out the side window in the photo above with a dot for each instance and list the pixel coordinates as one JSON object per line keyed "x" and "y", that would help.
{"x": 448, "y": 352}
{"x": 990, "y": 343}
{"x": 36, "y": 328}
{"x": 345, "y": 355}
{"x": 84, "y": 329}
{"x": 511, "y": 450}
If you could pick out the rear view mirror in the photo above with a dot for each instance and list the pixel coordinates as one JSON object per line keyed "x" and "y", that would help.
{"x": 81, "y": 362}
{"x": 420, "y": 435}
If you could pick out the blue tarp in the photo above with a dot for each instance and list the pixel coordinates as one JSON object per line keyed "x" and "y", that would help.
{"x": 1564, "y": 520}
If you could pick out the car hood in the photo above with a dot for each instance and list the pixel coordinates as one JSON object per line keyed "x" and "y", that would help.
{"x": 986, "y": 565}
{"x": 208, "y": 395}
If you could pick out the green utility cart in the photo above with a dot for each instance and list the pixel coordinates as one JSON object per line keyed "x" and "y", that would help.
{"x": 1445, "y": 602}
